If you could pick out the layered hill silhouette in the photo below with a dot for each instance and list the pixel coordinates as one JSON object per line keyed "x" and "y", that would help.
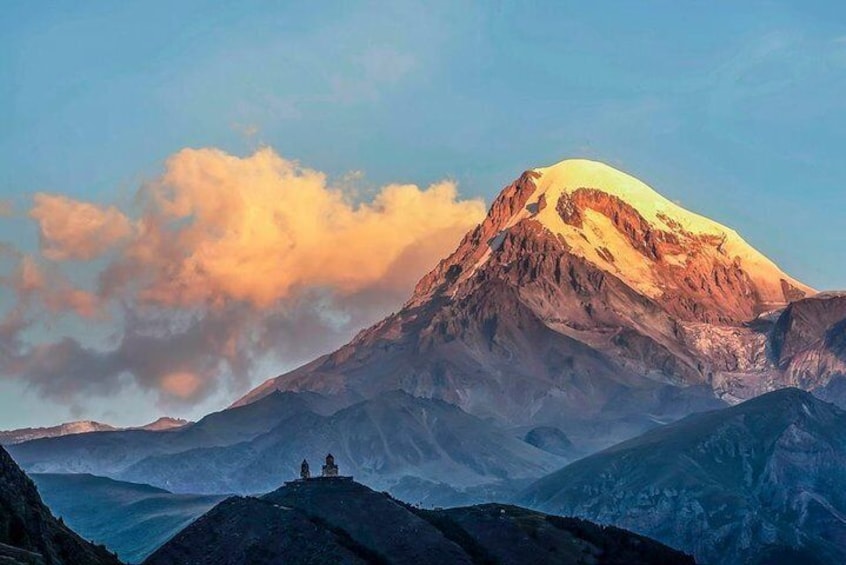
{"x": 761, "y": 482}
{"x": 341, "y": 521}
{"x": 130, "y": 519}
{"x": 30, "y": 534}
{"x": 382, "y": 440}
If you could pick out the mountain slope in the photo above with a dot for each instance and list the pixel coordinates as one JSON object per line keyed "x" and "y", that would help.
{"x": 809, "y": 342}
{"x": 359, "y": 525}
{"x": 130, "y": 519}
{"x": 380, "y": 441}
{"x": 728, "y": 486}
{"x": 30, "y": 533}
{"x": 584, "y": 301}
{"x": 110, "y": 453}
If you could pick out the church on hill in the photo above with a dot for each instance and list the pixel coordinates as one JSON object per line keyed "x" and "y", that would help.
{"x": 329, "y": 469}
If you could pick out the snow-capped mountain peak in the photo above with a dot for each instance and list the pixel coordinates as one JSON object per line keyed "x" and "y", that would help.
{"x": 627, "y": 229}
{"x": 624, "y": 226}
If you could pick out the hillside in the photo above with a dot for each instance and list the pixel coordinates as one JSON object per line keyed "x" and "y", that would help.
{"x": 130, "y": 519}
{"x": 29, "y": 533}
{"x": 340, "y": 521}
{"x": 730, "y": 486}
{"x": 380, "y": 441}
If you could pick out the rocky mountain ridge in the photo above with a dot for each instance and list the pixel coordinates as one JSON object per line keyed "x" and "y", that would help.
{"x": 11, "y": 437}
{"x": 743, "y": 484}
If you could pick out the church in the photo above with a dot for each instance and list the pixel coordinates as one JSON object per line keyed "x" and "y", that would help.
{"x": 329, "y": 469}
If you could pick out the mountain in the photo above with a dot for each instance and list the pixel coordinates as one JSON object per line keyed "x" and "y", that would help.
{"x": 340, "y": 521}
{"x": 112, "y": 452}
{"x": 738, "y": 485}
{"x": 164, "y": 423}
{"x": 380, "y": 441}
{"x": 11, "y": 437}
{"x": 809, "y": 343}
{"x": 29, "y": 534}
{"x": 584, "y": 310}
{"x": 130, "y": 519}
{"x": 584, "y": 301}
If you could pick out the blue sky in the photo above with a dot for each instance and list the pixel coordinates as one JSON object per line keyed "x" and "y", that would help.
{"x": 734, "y": 109}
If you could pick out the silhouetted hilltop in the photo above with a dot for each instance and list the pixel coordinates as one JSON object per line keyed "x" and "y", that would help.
{"x": 340, "y": 521}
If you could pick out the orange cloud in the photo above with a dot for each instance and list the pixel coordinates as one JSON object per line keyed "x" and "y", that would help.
{"x": 182, "y": 385}
{"x": 259, "y": 228}
{"x": 70, "y": 229}
{"x": 53, "y": 291}
{"x": 232, "y": 261}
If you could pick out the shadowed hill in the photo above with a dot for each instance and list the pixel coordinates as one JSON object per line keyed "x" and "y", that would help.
{"x": 28, "y": 531}
{"x": 338, "y": 520}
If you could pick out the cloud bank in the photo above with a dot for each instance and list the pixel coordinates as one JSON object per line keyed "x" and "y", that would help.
{"x": 221, "y": 262}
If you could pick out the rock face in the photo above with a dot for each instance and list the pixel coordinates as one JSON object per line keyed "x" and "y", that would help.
{"x": 585, "y": 301}
{"x": 339, "y": 521}
{"x": 737, "y": 485}
{"x": 28, "y": 531}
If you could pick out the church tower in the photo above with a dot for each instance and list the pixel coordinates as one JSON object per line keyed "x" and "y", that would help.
{"x": 330, "y": 469}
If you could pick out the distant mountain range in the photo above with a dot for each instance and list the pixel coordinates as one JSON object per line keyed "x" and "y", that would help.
{"x": 340, "y": 521}
{"x": 762, "y": 482}
{"x": 30, "y": 534}
{"x": 250, "y": 449}
{"x": 756, "y": 483}
{"x": 11, "y": 437}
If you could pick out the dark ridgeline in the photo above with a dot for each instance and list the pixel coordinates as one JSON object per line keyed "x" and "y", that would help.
{"x": 30, "y": 534}
{"x": 336, "y": 520}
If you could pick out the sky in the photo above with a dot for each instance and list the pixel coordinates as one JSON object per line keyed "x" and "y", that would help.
{"x": 196, "y": 196}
